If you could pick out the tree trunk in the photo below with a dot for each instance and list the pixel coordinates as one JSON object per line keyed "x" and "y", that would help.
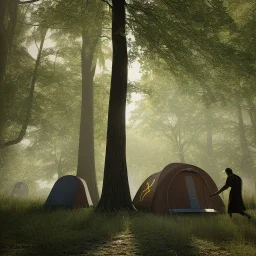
{"x": 13, "y": 14}
{"x": 209, "y": 134}
{"x": 246, "y": 161}
{"x": 209, "y": 141}
{"x": 252, "y": 114}
{"x": 115, "y": 192}
{"x": 59, "y": 166}
{"x": 13, "y": 6}
{"x": 86, "y": 162}
{"x": 3, "y": 61}
{"x": 30, "y": 97}
{"x": 180, "y": 145}
{"x": 181, "y": 155}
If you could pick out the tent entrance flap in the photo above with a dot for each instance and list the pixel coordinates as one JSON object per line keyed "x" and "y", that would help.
{"x": 192, "y": 210}
{"x": 192, "y": 193}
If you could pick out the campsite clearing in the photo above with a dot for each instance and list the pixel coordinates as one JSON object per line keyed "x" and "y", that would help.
{"x": 26, "y": 229}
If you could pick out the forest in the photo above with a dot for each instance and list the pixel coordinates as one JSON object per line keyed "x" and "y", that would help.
{"x": 113, "y": 91}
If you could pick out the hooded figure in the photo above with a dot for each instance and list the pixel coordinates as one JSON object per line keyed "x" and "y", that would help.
{"x": 235, "y": 204}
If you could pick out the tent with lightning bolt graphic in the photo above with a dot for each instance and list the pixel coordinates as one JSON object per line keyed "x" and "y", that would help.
{"x": 179, "y": 188}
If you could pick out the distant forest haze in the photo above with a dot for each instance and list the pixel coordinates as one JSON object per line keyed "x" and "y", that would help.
{"x": 70, "y": 103}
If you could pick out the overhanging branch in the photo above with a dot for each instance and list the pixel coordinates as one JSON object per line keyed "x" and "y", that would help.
{"x": 105, "y": 1}
{"x": 28, "y": 1}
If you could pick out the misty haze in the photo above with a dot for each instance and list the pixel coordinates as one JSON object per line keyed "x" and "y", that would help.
{"x": 103, "y": 103}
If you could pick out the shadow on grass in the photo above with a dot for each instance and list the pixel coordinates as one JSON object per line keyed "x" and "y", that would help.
{"x": 58, "y": 232}
{"x": 161, "y": 235}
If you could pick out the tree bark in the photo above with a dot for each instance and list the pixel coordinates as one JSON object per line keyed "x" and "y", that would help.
{"x": 181, "y": 155}
{"x": 209, "y": 140}
{"x": 209, "y": 134}
{"x": 13, "y": 14}
{"x": 3, "y": 60}
{"x": 6, "y": 42}
{"x": 30, "y": 97}
{"x": 180, "y": 144}
{"x": 115, "y": 192}
{"x": 252, "y": 115}
{"x": 86, "y": 162}
{"x": 246, "y": 160}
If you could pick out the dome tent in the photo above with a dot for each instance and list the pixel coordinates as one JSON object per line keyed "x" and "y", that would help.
{"x": 179, "y": 188}
{"x": 70, "y": 192}
{"x": 20, "y": 190}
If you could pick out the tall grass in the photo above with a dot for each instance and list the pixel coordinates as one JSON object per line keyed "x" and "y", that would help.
{"x": 250, "y": 202}
{"x": 27, "y": 229}
{"x": 53, "y": 232}
{"x": 182, "y": 233}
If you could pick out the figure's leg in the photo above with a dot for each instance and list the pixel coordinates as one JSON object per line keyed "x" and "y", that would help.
{"x": 246, "y": 214}
{"x": 230, "y": 215}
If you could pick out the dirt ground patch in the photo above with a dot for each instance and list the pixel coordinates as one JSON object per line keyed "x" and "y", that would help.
{"x": 121, "y": 244}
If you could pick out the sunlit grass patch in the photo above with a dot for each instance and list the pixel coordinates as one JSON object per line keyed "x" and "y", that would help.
{"x": 242, "y": 248}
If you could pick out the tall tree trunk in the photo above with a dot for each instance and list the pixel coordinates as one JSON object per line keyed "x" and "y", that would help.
{"x": 59, "y": 166}
{"x": 86, "y": 162}
{"x": 13, "y": 14}
{"x": 246, "y": 161}
{"x": 30, "y": 97}
{"x": 180, "y": 144}
{"x": 209, "y": 140}
{"x": 209, "y": 134}
{"x": 115, "y": 192}
{"x": 252, "y": 115}
{"x": 181, "y": 155}
{"x": 3, "y": 61}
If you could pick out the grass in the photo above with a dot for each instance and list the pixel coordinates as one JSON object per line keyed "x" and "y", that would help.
{"x": 53, "y": 232}
{"x": 26, "y": 229}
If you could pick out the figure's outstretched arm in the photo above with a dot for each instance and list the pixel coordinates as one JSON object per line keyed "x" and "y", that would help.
{"x": 221, "y": 190}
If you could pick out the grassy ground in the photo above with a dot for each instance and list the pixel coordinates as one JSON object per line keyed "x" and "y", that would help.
{"x": 26, "y": 229}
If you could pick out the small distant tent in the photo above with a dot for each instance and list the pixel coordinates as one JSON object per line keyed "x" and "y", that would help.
{"x": 70, "y": 192}
{"x": 179, "y": 188}
{"x": 20, "y": 190}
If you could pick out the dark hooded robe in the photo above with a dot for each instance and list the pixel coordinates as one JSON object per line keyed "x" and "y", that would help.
{"x": 235, "y": 204}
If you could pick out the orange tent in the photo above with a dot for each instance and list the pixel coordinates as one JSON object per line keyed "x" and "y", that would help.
{"x": 179, "y": 188}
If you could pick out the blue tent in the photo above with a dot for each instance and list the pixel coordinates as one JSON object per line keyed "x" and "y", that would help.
{"x": 69, "y": 192}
